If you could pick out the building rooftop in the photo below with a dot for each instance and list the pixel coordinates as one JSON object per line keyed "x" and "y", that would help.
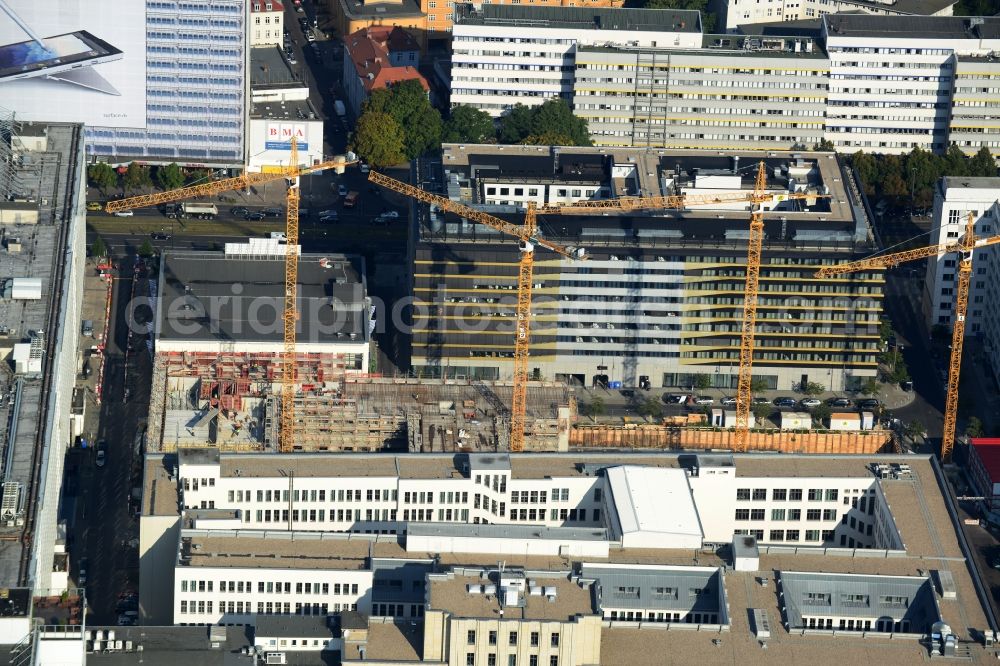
{"x": 357, "y": 10}
{"x": 639, "y": 494}
{"x": 266, "y": 6}
{"x": 174, "y": 646}
{"x": 294, "y": 110}
{"x": 971, "y": 182}
{"x": 516, "y": 532}
{"x": 270, "y": 68}
{"x": 912, "y": 27}
{"x": 211, "y": 296}
{"x": 581, "y": 18}
{"x": 450, "y": 592}
{"x": 988, "y": 450}
{"x": 800, "y": 43}
{"x": 369, "y": 50}
{"x": 274, "y": 550}
{"x": 699, "y": 589}
{"x": 159, "y": 497}
{"x": 388, "y": 642}
{"x": 302, "y": 626}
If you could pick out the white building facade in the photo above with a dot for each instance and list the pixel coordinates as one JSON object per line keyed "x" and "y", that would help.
{"x": 744, "y": 12}
{"x": 266, "y": 22}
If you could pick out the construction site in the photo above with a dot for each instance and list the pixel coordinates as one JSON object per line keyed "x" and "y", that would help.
{"x": 232, "y": 400}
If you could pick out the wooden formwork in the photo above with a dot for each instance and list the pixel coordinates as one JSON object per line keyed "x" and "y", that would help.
{"x": 666, "y": 437}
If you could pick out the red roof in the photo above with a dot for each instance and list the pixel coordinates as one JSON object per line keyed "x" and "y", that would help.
{"x": 275, "y": 6}
{"x": 369, "y": 50}
{"x": 988, "y": 450}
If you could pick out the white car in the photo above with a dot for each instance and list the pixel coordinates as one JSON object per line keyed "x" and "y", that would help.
{"x": 728, "y": 400}
{"x": 704, "y": 400}
{"x": 365, "y": 168}
{"x": 342, "y": 190}
{"x": 810, "y": 402}
{"x": 101, "y": 458}
{"x": 389, "y": 215}
{"x": 124, "y": 213}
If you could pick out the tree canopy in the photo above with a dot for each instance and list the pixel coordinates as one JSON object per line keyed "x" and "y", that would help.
{"x": 407, "y": 103}
{"x": 137, "y": 177}
{"x": 551, "y": 123}
{"x": 468, "y": 124}
{"x": 170, "y": 177}
{"x": 379, "y": 139}
{"x": 707, "y": 17}
{"x": 917, "y": 172}
{"x": 102, "y": 176}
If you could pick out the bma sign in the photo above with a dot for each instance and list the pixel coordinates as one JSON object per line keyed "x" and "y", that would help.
{"x": 279, "y": 136}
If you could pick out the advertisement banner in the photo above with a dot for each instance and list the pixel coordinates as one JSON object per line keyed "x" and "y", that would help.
{"x": 279, "y": 136}
{"x": 74, "y": 61}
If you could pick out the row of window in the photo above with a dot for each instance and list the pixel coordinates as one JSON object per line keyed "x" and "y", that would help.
{"x": 268, "y": 587}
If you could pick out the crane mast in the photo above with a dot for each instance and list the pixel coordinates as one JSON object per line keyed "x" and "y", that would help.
{"x": 290, "y": 314}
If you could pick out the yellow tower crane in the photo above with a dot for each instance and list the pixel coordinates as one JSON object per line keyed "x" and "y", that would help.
{"x": 963, "y": 247}
{"x": 756, "y": 199}
{"x": 527, "y": 234}
{"x": 292, "y": 172}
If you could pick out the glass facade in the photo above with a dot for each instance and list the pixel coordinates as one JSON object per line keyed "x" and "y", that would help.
{"x": 196, "y": 68}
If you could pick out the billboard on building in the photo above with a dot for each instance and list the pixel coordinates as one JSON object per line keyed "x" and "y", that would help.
{"x": 74, "y": 61}
{"x": 279, "y": 136}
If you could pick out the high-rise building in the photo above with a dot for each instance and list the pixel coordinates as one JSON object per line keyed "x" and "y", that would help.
{"x": 735, "y": 13}
{"x": 661, "y": 297}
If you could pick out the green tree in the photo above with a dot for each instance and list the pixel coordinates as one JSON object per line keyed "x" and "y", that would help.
{"x": 548, "y": 139}
{"x": 915, "y": 429}
{"x": 707, "y": 17}
{"x": 955, "y": 162}
{"x": 701, "y": 381}
{"x": 825, "y": 145}
{"x": 885, "y": 329}
{"x": 982, "y": 164}
{"x": 197, "y": 176}
{"x": 923, "y": 169}
{"x": 761, "y": 411}
{"x": 650, "y": 407}
{"x": 812, "y": 388}
{"x": 137, "y": 177}
{"x": 146, "y": 250}
{"x": 407, "y": 103}
{"x": 974, "y": 428}
{"x": 378, "y": 139}
{"x": 758, "y": 385}
{"x": 102, "y": 176}
{"x": 595, "y": 408}
{"x": 170, "y": 177}
{"x": 940, "y": 333}
{"x": 893, "y": 184}
{"x": 515, "y": 125}
{"x": 870, "y": 387}
{"x": 468, "y": 124}
{"x": 868, "y": 171}
{"x": 98, "y": 248}
{"x": 821, "y": 413}
{"x": 555, "y": 117}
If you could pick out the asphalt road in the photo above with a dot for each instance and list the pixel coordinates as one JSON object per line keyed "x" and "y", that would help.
{"x": 104, "y": 523}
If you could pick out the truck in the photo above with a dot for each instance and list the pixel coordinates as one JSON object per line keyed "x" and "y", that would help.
{"x": 339, "y": 107}
{"x": 199, "y": 211}
{"x": 351, "y": 199}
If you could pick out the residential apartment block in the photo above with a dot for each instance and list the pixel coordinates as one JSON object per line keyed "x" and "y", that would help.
{"x": 266, "y": 22}
{"x": 883, "y": 84}
{"x": 735, "y": 13}
{"x": 954, "y": 200}
{"x": 846, "y": 561}
{"x": 661, "y": 296}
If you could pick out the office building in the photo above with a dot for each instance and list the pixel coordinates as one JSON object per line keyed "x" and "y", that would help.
{"x": 883, "y": 84}
{"x": 660, "y": 298}
{"x": 954, "y": 200}
{"x": 804, "y": 554}
{"x": 736, "y": 13}
{"x": 984, "y": 472}
{"x": 195, "y": 89}
{"x": 504, "y": 55}
{"x": 267, "y": 20}
{"x": 378, "y": 57}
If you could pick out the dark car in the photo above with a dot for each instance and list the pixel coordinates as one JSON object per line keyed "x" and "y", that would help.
{"x": 839, "y": 403}
{"x": 160, "y": 236}
{"x": 784, "y": 402}
{"x": 273, "y": 212}
{"x": 239, "y": 211}
{"x": 759, "y": 400}
{"x": 253, "y": 217}
{"x": 869, "y": 403}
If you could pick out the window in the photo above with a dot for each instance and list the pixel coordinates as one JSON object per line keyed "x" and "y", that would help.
{"x": 533, "y": 660}
{"x": 742, "y": 514}
{"x": 779, "y": 494}
{"x": 813, "y": 514}
{"x": 757, "y": 514}
{"x": 829, "y": 514}
{"x": 815, "y": 494}
{"x": 795, "y": 495}
{"x": 777, "y": 535}
{"x": 759, "y": 494}
{"x": 812, "y": 535}
{"x": 491, "y": 660}
{"x": 895, "y": 601}
{"x": 831, "y": 495}
{"x": 554, "y": 640}
{"x": 470, "y": 659}
{"x": 597, "y": 494}
{"x": 534, "y": 639}
{"x": 554, "y": 660}
{"x": 512, "y": 660}
{"x": 742, "y": 493}
{"x": 792, "y": 535}
{"x": 795, "y": 514}
{"x": 777, "y": 514}
{"x": 493, "y": 638}
{"x": 471, "y": 637}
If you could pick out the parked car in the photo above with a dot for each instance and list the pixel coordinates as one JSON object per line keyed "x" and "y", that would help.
{"x": 81, "y": 577}
{"x": 365, "y": 168}
{"x": 809, "y": 403}
{"x": 102, "y": 453}
{"x": 94, "y": 205}
{"x": 159, "y": 235}
{"x": 783, "y": 402}
{"x": 327, "y": 213}
{"x": 273, "y": 212}
{"x": 254, "y": 216}
{"x": 342, "y": 190}
{"x": 124, "y": 213}
{"x": 728, "y": 400}
{"x": 869, "y": 404}
{"x": 704, "y": 400}
{"x": 839, "y": 403}
{"x": 674, "y": 399}
{"x": 390, "y": 215}
{"x": 759, "y": 400}
{"x": 292, "y": 60}
{"x": 327, "y": 219}
{"x": 239, "y": 211}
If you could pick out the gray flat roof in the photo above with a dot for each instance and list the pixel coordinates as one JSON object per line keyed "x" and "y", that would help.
{"x": 355, "y": 9}
{"x": 582, "y": 18}
{"x": 666, "y": 588}
{"x": 972, "y": 182}
{"x": 197, "y": 298}
{"x": 269, "y": 67}
{"x": 863, "y": 596}
{"x": 911, "y": 27}
{"x": 294, "y": 110}
{"x": 293, "y": 626}
{"x": 521, "y": 532}
{"x": 175, "y": 646}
